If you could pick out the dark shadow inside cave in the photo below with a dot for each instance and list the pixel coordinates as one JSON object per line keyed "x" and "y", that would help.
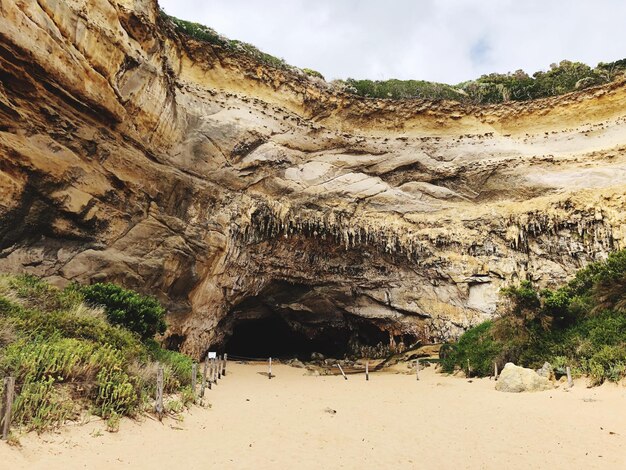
{"x": 287, "y": 321}
{"x": 273, "y": 337}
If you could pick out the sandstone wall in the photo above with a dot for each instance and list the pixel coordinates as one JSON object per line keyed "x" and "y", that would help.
{"x": 131, "y": 154}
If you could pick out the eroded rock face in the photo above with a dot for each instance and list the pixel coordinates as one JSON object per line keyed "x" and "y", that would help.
{"x": 233, "y": 191}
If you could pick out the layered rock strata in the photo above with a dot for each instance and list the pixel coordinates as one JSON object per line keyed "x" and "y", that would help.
{"x": 235, "y": 192}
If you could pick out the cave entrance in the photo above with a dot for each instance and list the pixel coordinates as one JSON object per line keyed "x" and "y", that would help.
{"x": 273, "y": 336}
{"x": 287, "y": 320}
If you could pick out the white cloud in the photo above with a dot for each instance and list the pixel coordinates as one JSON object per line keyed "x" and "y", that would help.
{"x": 442, "y": 40}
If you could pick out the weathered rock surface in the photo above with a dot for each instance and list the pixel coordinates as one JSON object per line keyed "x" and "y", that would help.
{"x": 515, "y": 379}
{"x": 546, "y": 371}
{"x": 234, "y": 191}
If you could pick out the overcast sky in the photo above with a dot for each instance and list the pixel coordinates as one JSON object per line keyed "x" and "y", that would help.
{"x": 440, "y": 40}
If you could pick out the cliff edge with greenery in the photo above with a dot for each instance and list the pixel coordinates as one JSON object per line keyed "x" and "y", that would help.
{"x": 559, "y": 79}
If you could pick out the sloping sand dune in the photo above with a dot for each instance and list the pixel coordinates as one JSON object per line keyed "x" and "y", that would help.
{"x": 392, "y": 421}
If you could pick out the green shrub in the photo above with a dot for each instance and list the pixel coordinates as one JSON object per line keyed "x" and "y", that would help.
{"x": 178, "y": 366}
{"x": 561, "y": 78}
{"x": 613, "y": 268}
{"x": 476, "y": 345}
{"x": 74, "y": 323}
{"x": 66, "y": 356}
{"x": 206, "y": 34}
{"x": 141, "y": 314}
{"x": 403, "y": 89}
{"x": 582, "y": 324}
{"x": 608, "y": 363}
{"x": 313, "y": 73}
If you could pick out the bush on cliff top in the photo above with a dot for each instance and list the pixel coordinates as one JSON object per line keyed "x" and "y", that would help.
{"x": 496, "y": 87}
{"x": 66, "y": 356}
{"x": 581, "y": 324}
{"x": 206, "y": 34}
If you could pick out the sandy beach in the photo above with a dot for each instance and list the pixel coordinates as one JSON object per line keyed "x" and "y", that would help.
{"x": 298, "y": 421}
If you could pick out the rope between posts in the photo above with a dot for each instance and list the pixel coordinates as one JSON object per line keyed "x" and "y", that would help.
{"x": 348, "y": 371}
{"x": 251, "y": 359}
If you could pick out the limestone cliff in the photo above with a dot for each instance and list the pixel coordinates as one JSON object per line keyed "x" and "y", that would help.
{"x": 232, "y": 191}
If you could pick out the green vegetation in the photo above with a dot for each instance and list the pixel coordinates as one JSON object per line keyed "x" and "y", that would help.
{"x": 68, "y": 355}
{"x": 582, "y": 324}
{"x": 496, "y": 87}
{"x": 206, "y": 34}
{"x": 313, "y": 73}
{"x": 404, "y": 89}
{"x": 140, "y": 314}
{"x": 562, "y": 78}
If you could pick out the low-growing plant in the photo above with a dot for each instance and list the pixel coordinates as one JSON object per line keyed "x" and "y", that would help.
{"x": 113, "y": 422}
{"x": 178, "y": 366}
{"x": 40, "y": 405}
{"x": 187, "y": 396}
{"x": 174, "y": 406}
{"x": 313, "y": 73}
{"x": 476, "y": 346}
{"x": 209, "y": 35}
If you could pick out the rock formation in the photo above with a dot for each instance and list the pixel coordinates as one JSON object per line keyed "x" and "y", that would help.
{"x": 515, "y": 379}
{"x": 235, "y": 192}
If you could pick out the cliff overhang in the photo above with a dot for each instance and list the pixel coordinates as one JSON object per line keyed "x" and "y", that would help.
{"x": 238, "y": 193}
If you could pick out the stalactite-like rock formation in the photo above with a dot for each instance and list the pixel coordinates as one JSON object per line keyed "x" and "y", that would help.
{"x": 236, "y": 192}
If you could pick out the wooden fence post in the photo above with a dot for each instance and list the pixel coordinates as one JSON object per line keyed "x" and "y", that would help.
{"x": 417, "y": 369}
{"x": 158, "y": 406}
{"x": 342, "y": 372}
{"x": 194, "y": 378}
{"x": 495, "y": 370}
{"x": 469, "y": 371}
{"x": 270, "y": 369}
{"x": 224, "y": 364}
{"x": 218, "y": 363}
{"x": 214, "y": 369}
{"x": 367, "y": 370}
{"x": 204, "y": 372}
{"x": 570, "y": 382}
{"x": 7, "y": 406}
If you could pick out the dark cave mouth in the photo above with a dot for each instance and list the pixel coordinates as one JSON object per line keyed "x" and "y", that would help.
{"x": 287, "y": 320}
{"x": 274, "y": 336}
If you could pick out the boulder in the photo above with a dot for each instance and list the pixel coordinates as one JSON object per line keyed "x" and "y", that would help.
{"x": 517, "y": 379}
{"x": 315, "y": 356}
{"x": 546, "y": 371}
{"x": 296, "y": 363}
